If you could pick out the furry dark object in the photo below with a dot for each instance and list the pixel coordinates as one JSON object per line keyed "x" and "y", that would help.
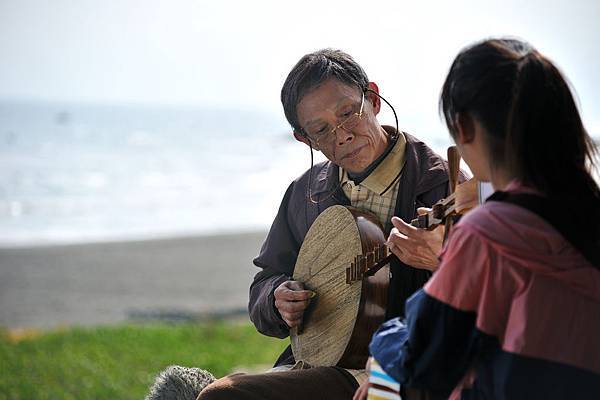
{"x": 179, "y": 383}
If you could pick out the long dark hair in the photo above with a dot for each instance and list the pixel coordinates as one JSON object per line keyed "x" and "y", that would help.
{"x": 533, "y": 127}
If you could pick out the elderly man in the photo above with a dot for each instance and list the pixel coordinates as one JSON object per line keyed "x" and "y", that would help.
{"x": 332, "y": 108}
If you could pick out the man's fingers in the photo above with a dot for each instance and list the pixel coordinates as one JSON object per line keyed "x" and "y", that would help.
{"x": 397, "y": 239}
{"x": 292, "y": 322}
{"x": 291, "y": 300}
{"x": 292, "y": 312}
{"x": 293, "y": 291}
{"x": 402, "y": 226}
{"x": 423, "y": 210}
{"x": 292, "y": 316}
{"x": 290, "y": 306}
{"x": 296, "y": 295}
{"x": 294, "y": 285}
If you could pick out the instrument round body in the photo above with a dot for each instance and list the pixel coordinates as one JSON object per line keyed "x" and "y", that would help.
{"x": 338, "y": 324}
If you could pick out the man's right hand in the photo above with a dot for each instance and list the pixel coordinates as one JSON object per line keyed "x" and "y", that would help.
{"x": 291, "y": 300}
{"x": 416, "y": 247}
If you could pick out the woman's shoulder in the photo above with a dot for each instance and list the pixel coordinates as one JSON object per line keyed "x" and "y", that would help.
{"x": 517, "y": 233}
{"x": 503, "y": 217}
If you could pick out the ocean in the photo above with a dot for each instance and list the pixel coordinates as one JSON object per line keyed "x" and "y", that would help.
{"x": 75, "y": 173}
{"x": 72, "y": 173}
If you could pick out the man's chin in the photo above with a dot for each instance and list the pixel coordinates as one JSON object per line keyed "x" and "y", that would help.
{"x": 354, "y": 168}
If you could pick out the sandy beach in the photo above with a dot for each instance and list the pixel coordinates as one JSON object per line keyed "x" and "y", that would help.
{"x": 100, "y": 283}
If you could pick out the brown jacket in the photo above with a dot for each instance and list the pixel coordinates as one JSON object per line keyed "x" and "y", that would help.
{"x": 424, "y": 180}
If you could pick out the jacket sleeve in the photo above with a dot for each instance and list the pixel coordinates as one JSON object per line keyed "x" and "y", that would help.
{"x": 277, "y": 259}
{"x": 261, "y": 307}
{"x": 431, "y": 350}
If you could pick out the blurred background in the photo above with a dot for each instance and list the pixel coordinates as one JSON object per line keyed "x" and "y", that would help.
{"x": 139, "y": 119}
{"x": 144, "y": 153}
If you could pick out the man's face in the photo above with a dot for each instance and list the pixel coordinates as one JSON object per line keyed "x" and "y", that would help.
{"x": 329, "y": 104}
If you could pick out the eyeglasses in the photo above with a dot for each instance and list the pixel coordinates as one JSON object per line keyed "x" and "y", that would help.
{"x": 325, "y": 137}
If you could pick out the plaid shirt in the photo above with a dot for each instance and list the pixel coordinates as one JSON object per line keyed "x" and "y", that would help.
{"x": 378, "y": 192}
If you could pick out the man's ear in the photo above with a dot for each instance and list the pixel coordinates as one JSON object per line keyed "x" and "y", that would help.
{"x": 465, "y": 128}
{"x": 373, "y": 98}
{"x": 302, "y": 138}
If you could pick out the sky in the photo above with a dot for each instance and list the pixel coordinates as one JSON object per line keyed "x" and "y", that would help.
{"x": 236, "y": 54}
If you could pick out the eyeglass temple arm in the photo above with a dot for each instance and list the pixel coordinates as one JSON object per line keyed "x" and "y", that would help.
{"x": 388, "y": 103}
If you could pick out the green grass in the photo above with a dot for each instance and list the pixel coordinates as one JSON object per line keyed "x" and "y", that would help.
{"x": 120, "y": 362}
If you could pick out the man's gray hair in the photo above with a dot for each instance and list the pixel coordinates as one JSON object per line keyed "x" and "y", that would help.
{"x": 179, "y": 383}
{"x": 314, "y": 69}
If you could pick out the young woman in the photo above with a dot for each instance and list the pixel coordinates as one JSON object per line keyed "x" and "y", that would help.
{"x": 514, "y": 309}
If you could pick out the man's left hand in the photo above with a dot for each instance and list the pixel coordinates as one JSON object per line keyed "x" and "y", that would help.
{"x": 416, "y": 247}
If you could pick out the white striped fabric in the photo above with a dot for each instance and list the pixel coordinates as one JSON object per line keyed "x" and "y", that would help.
{"x": 381, "y": 385}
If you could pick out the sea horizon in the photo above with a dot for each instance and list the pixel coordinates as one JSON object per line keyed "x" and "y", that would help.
{"x": 79, "y": 173}
{"x": 74, "y": 173}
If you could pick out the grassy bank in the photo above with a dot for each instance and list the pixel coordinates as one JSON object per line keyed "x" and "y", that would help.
{"x": 120, "y": 362}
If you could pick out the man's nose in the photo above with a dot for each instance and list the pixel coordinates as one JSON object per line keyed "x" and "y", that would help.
{"x": 343, "y": 135}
